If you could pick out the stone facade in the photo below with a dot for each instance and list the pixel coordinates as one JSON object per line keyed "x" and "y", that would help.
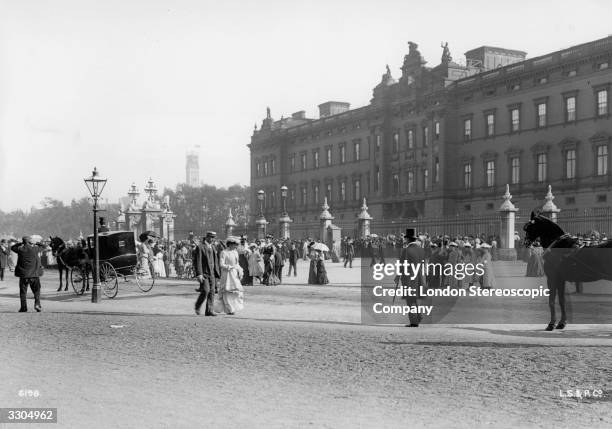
{"x": 446, "y": 140}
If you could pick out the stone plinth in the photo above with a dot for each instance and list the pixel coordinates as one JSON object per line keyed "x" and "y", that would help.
{"x": 507, "y": 211}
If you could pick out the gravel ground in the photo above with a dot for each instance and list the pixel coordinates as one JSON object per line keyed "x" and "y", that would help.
{"x": 297, "y": 356}
{"x": 188, "y": 371}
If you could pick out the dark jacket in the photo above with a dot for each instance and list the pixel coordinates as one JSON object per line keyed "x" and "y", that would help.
{"x": 4, "y": 257}
{"x": 413, "y": 254}
{"x": 293, "y": 255}
{"x": 206, "y": 261}
{"x": 349, "y": 250}
{"x": 28, "y": 261}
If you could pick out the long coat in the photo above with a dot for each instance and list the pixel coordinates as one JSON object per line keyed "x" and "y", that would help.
{"x": 28, "y": 261}
{"x": 206, "y": 262}
{"x": 413, "y": 254}
{"x": 5, "y": 253}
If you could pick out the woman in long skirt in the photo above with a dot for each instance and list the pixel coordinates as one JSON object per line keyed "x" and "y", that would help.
{"x": 321, "y": 271}
{"x": 231, "y": 292}
{"x": 535, "y": 264}
{"x": 256, "y": 267}
{"x": 243, "y": 260}
{"x": 468, "y": 257}
{"x": 312, "y": 271}
{"x": 487, "y": 280}
{"x": 158, "y": 262}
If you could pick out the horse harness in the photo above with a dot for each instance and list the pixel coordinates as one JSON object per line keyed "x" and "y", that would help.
{"x": 571, "y": 256}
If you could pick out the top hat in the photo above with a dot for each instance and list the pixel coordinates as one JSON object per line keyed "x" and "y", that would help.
{"x": 411, "y": 234}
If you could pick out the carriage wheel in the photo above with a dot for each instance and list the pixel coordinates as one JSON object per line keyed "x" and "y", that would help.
{"x": 145, "y": 280}
{"x": 77, "y": 280}
{"x": 108, "y": 280}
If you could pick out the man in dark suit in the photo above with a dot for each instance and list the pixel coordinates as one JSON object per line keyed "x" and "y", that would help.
{"x": 349, "y": 252}
{"x": 5, "y": 254}
{"x": 413, "y": 253}
{"x": 28, "y": 269}
{"x": 293, "y": 257}
{"x": 207, "y": 270}
{"x": 103, "y": 227}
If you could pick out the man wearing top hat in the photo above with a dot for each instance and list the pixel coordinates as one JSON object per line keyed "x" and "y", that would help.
{"x": 413, "y": 253}
{"x": 103, "y": 227}
{"x": 206, "y": 266}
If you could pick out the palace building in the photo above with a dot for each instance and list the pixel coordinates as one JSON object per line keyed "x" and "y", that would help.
{"x": 445, "y": 141}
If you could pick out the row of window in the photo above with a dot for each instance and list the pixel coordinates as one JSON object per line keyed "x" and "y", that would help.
{"x": 328, "y": 152}
{"x": 541, "y": 120}
{"x": 411, "y": 184}
{"x": 316, "y": 194}
{"x": 265, "y": 168}
{"x": 357, "y": 149}
{"x": 541, "y": 172}
{"x": 411, "y": 137}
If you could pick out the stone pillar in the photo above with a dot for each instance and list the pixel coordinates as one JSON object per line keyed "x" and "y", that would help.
{"x": 229, "y": 224}
{"x": 121, "y": 220}
{"x": 167, "y": 225}
{"x": 507, "y": 211}
{"x": 325, "y": 219}
{"x": 261, "y": 221}
{"x": 261, "y": 227}
{"x": 284, "y": 222}
{"x": 364, "y": 219}
{"x": 549, "y": 209}
{"x": 133, "y": 221}
{"x": 133, "y": 213}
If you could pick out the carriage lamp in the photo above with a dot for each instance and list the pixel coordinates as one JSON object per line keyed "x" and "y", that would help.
{"x": 95, "y": 185}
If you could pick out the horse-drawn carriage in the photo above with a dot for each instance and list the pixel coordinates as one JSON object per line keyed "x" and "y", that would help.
{"x": 118, "y": 259}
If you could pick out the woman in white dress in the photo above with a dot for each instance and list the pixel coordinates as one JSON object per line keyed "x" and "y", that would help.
{"x": 158, "y": 262}
{"x": 231, "y": 292}
{"x": 256, "y": 266}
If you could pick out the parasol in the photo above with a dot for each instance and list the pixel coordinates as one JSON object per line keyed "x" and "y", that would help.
{"x": 147, "y": 234}
{"x": 36, "y": 239}
{"x": 320, "y": 246}
{"x": 374, "y": 235}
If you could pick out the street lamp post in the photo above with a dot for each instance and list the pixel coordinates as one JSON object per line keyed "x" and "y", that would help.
{"x": 95, "y": 184}
{"x": 261, "y": 221}
{"x": 284, "y": 220}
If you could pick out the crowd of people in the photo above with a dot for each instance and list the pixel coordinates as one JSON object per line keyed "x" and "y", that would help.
{"x": 224, "y": 267}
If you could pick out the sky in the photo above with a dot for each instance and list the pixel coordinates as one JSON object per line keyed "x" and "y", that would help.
{"x": 129, "y": 86}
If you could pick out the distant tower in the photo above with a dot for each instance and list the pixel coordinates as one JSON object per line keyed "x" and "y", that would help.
{"x": 192, "y": 168}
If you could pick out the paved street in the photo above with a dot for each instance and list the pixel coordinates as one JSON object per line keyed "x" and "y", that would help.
{"x": 296, "y": 356}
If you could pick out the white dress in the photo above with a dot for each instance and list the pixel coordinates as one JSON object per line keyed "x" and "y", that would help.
{"x": 158, "y": 265}
{"x": 231, "y": 292}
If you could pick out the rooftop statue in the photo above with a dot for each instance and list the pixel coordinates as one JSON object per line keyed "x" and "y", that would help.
{"x": 412, "y": 49}
{"x": 446, "y": 56}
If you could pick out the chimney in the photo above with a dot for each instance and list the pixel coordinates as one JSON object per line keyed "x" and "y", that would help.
{"x": 299, "y": 115}
{"x": 333, "y": 108}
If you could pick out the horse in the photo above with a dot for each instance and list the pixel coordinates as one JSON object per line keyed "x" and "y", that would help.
{"x": 69, "y": 257}
{"x": 565, "y": 260}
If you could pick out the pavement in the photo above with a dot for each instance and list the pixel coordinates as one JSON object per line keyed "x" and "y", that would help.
{"x": 297, "y": 356}
{"x": 338, "y": 302}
